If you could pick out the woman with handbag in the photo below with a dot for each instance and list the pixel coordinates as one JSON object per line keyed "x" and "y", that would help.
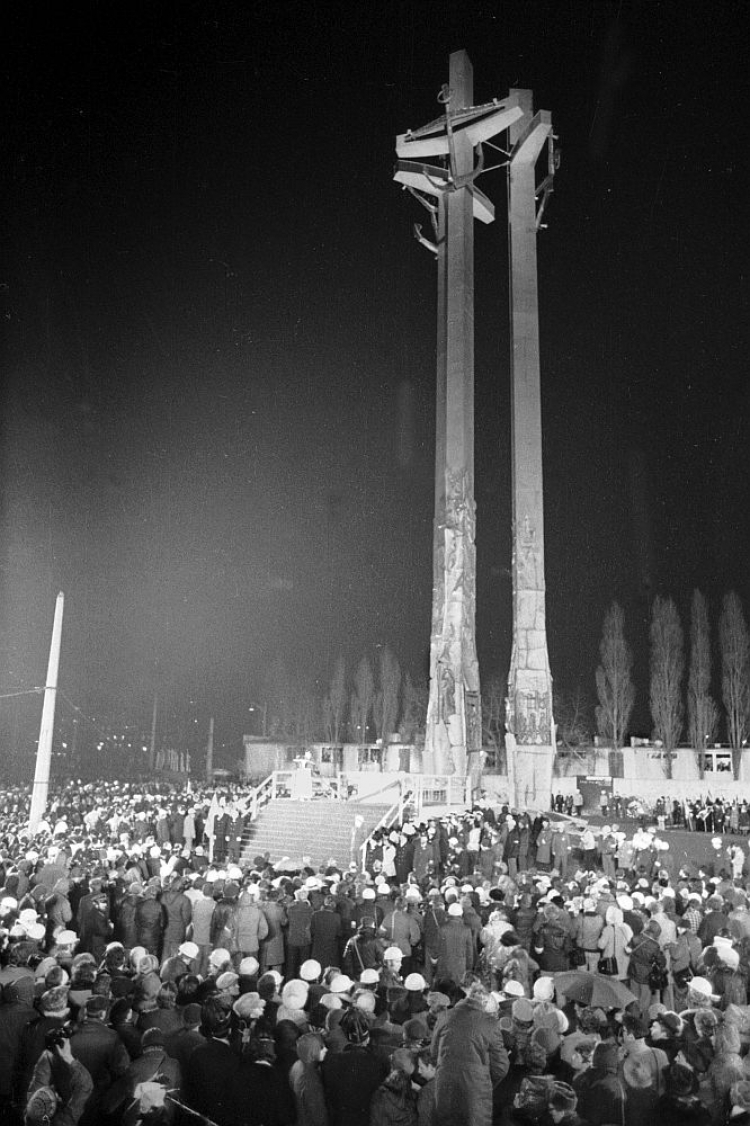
{"x": 613, "y": 941}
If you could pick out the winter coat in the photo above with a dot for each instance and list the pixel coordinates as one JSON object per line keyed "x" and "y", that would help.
{"x": 394, "y": 1103}
{"x": 350, "y": 1079}
{"x": 93, "y": 915}
{"x": 272, "y": 945}
{"x": 105, "y": 1057}
{"x": 125, "y": 926}
{"x": 179, "y": 911}
{"x": 325, "y": 928}
{"x": 613, "y": 940}
{"x": 149, "y": 925}
{"x": 221, "y": 925}
{"x": 203, "y": 910}
{"x": 644, "y": 951}
{"x": 309, "y": 1096}
{"x": 588, "y": 929}
{"x": 471, "y": 1062}
{"x": 299, "y": 915}
{"x": 401, "y": 929}
{"x": 81, "y": 1087}
{"x": 249, "y": 926}
{"x": 455, "y": 950}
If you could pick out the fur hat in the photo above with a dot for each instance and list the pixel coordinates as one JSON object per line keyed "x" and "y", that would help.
{"x": 522, "y": 1011}
{"x": 248, "y": 967}
{"x": 249, "y": 1006}
{"x": 55, "y": 1001}
{"x": 96, "y": 1006}
{"x": 152, "y": 1037}
{"x": 637, "y": 1073}
{"x": 310, "y": 970}
{"x": 41, "y": 1105}
{"x": 228, "y": 982}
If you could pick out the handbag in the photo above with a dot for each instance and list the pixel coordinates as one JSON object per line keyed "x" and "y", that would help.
{"x": 607, "y": 966}
{"x": 658, "y": 978}
{"x": 577, "y": 956}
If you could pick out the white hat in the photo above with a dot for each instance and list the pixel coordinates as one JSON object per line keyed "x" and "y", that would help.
{"x": 369, "y": 977}
{"x": 544, "y": 989}
{"x": 36, "y": 931}
{"x": 219, "y": 956}
{"x": 294, "y": 994}
{"x": 393, "y": 954}
{"x": 702, "y": 986}
{"x": 513, "y": 988}
{"x": 189, "y": 950}
{"x": 368, "y": 893}
{"x": 248, "y": 966}
{"x": 415, "y": 983}
{"x": 455, "y": 910}
{"x": 310, "y": 970}
{"x": 341, "y": 983}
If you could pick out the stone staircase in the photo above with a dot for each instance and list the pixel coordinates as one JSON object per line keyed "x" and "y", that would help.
{"x": 319, "y": 829}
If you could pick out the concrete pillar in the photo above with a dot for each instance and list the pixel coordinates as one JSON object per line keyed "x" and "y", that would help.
{"x": 529, "y": 705}
{"x": 453, "y": 734}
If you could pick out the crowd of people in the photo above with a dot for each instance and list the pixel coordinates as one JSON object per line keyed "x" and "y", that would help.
{"x": 487, "y": 967}
{"x": 701, "y": 813}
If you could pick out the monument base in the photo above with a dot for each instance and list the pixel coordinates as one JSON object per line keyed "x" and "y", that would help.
{"x": 529, "y": 774}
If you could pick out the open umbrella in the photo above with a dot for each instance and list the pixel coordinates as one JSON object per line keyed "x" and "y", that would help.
{"x": 597, "y": 990}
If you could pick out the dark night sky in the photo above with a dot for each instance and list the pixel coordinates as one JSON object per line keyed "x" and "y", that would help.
{"x": 217, "y": 421}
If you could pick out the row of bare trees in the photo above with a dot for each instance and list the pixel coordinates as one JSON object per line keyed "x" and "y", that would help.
{"x": 373, "y": 702}
{"x": 671, "y": 700}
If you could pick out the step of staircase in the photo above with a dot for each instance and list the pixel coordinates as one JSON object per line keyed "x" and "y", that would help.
{"x": 319, "y": 829}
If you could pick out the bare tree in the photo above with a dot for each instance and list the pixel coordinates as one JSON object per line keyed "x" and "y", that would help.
{"x": 735, "y": 674}
{"x": 703, "y": 715}
{"x": 614, "y": 684}
{"x": 572, "y": 712}
{"x": 667, "y": 670}
{"x": 414, "y": 708}
{"x": 334, "y": 704}
{"x": 387, "y": 699}
{"x": 361, "y": 701}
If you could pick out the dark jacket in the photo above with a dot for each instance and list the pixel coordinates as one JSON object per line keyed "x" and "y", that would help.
{"x": 471, "y": 1062}
{"x": 350, "y": 1078}
{"x": 149, "y": 925}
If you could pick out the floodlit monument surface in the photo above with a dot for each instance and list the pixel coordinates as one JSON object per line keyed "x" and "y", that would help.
{"x": 449, "y": 192}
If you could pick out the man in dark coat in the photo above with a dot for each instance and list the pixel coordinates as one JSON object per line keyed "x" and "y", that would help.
{"x": 352, "y": 1076}
{"x": 325, "y": 928}
{"x": 16, "y": 1011}
{"x": 150, "y": 919}
{"x": 101, "y": 1051}
{"x": 471, "y": 1063}
{"x": 94, "y": 922}
{"x": 455, "y": 947}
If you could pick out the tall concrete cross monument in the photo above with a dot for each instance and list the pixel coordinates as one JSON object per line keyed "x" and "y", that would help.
{"x": 449, "y": 193}
{"x": 530, "y": 738}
